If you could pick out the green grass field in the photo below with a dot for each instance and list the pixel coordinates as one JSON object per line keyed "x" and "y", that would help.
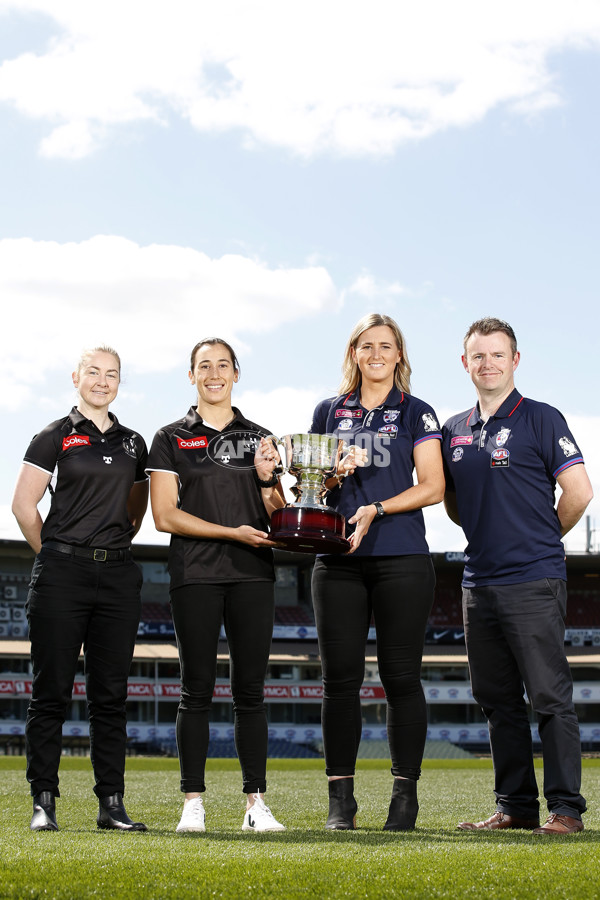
{"x": 305, "y": 861}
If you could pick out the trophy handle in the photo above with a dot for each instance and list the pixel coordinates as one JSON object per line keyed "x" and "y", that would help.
{"x": 279, "y": 468}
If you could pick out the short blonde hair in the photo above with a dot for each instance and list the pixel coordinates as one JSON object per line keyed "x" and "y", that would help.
{"x": 351, "y": 372}
{"x": 85, "y": 355}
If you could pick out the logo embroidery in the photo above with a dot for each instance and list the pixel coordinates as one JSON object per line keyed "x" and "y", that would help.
{"x": 502, "y": 437}
{"x": 348, "y": 413}
{"x": 390, "y": 415}
{"x": 457, "y": 454}
{"x": 567, "y": 446}
{"x": 500, "y": 458}
{"x": 388, "y": 431}
{"x": 345, "y": 425}
{"x": 107, "y": 460}
{"x": 76, "y": 440}
{"x": 192, "y": 443}
{"x": 429, "y": 422}
{"x": 461, "y": 439}
{"x": 129, "y": 446}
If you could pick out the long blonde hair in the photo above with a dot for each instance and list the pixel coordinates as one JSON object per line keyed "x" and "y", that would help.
{"x": 351, "y": 372}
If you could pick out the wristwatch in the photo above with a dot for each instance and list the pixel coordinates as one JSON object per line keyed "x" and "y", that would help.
{"x": 379, "y": 508}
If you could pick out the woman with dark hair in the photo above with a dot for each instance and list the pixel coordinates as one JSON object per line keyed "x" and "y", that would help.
{"x": 85, "y": 586}
{"x": 213, "y": 489}
{"x": 387, "y": 574}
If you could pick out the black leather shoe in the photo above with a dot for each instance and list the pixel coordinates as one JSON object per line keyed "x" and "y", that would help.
{"x": 500, "y": 820}
{"x": 342, "y": 805}
{"x": 44, "y": 814}
{"x": 404, "y": 806}
{"x": 112, "y": 814}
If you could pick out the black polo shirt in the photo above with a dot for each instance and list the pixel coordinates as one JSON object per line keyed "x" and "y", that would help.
{"x": 504, "y": 474}
{"x": 217, "y": 483}
{"x": 389, "y": 433}
{"x": 91, "y": 476}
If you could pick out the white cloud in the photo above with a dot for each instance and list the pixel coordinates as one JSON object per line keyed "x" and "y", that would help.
{"x": 339, "y": 77}
{"x": 143, "y": 300}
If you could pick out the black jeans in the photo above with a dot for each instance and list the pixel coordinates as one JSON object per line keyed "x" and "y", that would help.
{"x": 247, "y": 611}
{"x": 398, "y": 591}
{"x": 73, "y": 602}
{"x": 515, "y": 639}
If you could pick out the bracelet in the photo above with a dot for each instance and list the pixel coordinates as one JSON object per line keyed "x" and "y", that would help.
{"x": 267, "y": 484}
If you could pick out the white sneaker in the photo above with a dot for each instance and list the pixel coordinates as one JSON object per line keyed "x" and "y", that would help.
{"x": 260, "y": 818}
{"x": 193, "y": 817}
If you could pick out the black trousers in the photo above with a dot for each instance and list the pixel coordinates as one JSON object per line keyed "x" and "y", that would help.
{"x": 73, "y": 602}
{"x": 398, "y": 590}
{"x": 247, "y": 611}
{"x": 515, "y": 640}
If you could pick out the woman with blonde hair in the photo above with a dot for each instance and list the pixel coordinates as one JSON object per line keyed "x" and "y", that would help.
{"x": 85, "y": 586}
{"x": 387, "y": 574}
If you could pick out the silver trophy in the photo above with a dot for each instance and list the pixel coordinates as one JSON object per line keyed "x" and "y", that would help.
{"x": 308, "y": 525}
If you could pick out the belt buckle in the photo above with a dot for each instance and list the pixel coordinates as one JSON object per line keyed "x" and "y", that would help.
{"x": 100, "y": 555}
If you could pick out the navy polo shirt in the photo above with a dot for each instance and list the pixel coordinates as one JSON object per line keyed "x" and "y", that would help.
{"x": 217, "y": 483}
{"x": 92, "y": 473}
{"x": 390, "y": 432}
{"x": 504, "y": 474}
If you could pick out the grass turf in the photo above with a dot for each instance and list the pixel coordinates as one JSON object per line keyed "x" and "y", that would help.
{"x": 436, "y": 860}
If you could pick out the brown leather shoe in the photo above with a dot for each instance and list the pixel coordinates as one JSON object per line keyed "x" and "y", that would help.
{"x": 555, "y": 824}
{"x": 500, "y": 820}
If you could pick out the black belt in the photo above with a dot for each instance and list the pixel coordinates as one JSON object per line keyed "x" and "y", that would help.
{"x": 88, "y": 552}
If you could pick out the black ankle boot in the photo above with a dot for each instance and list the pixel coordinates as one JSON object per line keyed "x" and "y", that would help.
{"x": 403, "y": 807}
{"x": 112, "y": 814}
{"x": 44, "y": 815}
{"x": 342, "y": 805}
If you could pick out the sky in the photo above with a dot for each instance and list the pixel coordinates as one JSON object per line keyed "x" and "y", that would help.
{"x": 271, "y": 172}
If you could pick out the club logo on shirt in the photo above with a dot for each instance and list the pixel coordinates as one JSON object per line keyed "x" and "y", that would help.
{"x": 461, "y": 439}
{"x": 192, "y": 443}
{"x": 348, "y": 413}
{"x": 457, "y": 454}
{"x": 129, "y": 446}
{"x": 345, "y": 425}
{"x": 76, "y": 440}
{"x": 388, "y": 431}
{"x": 500, "y": 458}
{"x": 390, "y": 415}
{"x": 107, "y": 460}
{"x": 567, "y": 446}
{"x": 502, "y": 437}
{"x": 429, "y": 422}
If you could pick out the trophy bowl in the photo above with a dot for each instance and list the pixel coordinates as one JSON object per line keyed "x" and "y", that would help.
{"x": 308, "y": 525}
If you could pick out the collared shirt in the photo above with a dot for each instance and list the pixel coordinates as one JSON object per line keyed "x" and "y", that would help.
{"x": 217, "y": 483}
{"x": 390, "y": 432}
{"x": 92, "y": 474}
{"x": 504, "y": 473}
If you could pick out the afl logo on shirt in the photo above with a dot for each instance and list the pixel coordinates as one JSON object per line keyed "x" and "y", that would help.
{"x": 75, "y": 440}
{"x": 192, "y": 443}
{"x": 500, "y": 458}
{"x": 388, "y": 431}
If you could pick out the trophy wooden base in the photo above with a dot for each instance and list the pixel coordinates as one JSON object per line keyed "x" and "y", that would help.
{"x": 309, "y": 529}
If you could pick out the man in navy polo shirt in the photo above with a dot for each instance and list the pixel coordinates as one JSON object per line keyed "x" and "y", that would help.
{"x": 503, "y": 459}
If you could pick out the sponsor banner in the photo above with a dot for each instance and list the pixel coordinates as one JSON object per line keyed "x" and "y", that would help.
{"x": 452, "y": 692}
{"x": 75, "y": 440}
{"x": 300, "y": 734}
{"x": 195, "y": 443}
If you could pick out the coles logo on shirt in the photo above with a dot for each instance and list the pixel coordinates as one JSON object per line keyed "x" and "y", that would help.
{"x": 192, "y": 443}
{"x": 75, "y": 440}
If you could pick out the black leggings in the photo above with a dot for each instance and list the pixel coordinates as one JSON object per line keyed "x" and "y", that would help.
{"x": 246, "y": 609}
{"x": 398, "y": 590}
